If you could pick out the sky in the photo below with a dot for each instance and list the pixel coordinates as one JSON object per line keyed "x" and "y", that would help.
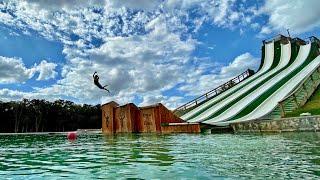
{"x": 147, "y": 51}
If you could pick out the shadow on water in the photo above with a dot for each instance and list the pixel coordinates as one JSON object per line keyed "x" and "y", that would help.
{"x": 140, "y": 148}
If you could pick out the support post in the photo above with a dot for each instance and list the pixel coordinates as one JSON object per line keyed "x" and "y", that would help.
{"x": 305, "y": 98}
{"x": 295, "y": 101}
{"x": 282, "y": 111}
{"x": 305, "y": 89}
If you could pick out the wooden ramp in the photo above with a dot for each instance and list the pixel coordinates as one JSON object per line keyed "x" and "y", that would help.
{"x": 150, "y": 119}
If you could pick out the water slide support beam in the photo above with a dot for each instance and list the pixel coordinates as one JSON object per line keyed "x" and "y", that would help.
{"x": 282, "y": 111}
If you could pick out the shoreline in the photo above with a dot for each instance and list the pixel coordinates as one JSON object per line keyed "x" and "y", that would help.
{"x": 79, "y": 131}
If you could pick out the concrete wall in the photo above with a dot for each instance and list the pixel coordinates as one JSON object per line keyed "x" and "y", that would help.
{"x": 305, "y": 123}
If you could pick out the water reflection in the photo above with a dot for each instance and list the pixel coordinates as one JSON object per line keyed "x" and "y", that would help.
{"x": 149, "y": 156}
{"x": 312, "y": 137}
{"x": 310, "y": 146}
{"x": 140, "y": 148}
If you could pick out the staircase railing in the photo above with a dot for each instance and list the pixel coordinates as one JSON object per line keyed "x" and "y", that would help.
{"x": 214, "y": 92}
{"x": 301, "y": 95}
{"x": 302, "y": 92}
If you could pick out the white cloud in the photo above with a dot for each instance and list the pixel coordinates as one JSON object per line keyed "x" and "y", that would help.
{"x": 204, "y": 81}
{"x": 265, "y": 30}
{"x": 66, "y": 4}
{"x": 255, "y": 26}
{"x": 11, "y": 95}
{"x": 7, "y": 18}
{"x": 240, "y": 64}
{"x": 15, "y": 95}
{"x": 219, "y": 14}
{"x": 46, "y": 70}
{"x": 131, "y": 66}
{"x": 13, "y": 70}
{"x": 299, "y": 16}
{"x": 145, "y": 46}
{"x": 147, "y": 5}
{"x": 222, "y": 13}
{"x": 170, "y": 102}
{"x": 98, "y": 19}
{"x": 149, "y": 99}
{"x": 184, "y": 4}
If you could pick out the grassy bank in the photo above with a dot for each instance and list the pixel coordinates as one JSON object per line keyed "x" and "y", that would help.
{"x": 312, "y": 106}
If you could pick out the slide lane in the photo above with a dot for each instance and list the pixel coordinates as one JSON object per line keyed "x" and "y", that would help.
{"x": 268, "y": 63}
{"x": 252, "y": 97}
{"x": 231, "y": 106}
{"x": 219, "y": 107}
{"x": 268, "y": 51}
{"x": 278, "y": 93}
{"x": 262, "y": 59}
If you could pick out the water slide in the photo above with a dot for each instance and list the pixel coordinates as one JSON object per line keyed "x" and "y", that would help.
{"x": 267, "y": 59}
{"x": 279, "y": 62}
{"x": 293, "y": 80}
{"x": 280, "y": 72}
{"x": 241, "y": 103}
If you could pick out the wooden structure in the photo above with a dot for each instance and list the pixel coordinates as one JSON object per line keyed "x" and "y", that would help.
{"x": 131, "y": 119}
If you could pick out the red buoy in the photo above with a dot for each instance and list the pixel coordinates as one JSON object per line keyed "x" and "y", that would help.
{"x": 72, "y": 136}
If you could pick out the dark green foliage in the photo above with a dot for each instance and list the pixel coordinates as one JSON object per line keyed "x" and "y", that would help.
{"x": 44, "y": 116}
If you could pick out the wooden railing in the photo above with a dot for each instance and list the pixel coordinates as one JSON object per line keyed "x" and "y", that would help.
{"x": 214, "y": 92}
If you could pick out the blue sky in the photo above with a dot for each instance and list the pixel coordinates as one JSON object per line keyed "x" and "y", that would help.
{"x": 147, "y": 51}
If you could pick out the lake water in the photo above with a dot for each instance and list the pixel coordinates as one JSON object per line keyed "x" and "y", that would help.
{"x": 152, "y": 156}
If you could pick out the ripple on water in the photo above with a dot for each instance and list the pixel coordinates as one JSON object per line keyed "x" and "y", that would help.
{"x": 147, "y": 156}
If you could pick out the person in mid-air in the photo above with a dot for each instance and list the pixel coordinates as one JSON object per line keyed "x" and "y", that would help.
{"x": 96, "y": 82}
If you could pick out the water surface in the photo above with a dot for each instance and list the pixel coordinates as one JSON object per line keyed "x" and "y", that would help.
{"x": 154, "y": 156}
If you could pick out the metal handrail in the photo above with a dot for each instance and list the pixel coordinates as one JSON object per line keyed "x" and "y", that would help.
{"x": 216, "y": 91}
{"x": 298, "y": 86}
{"x": 301, "y": 85}
{"x": 280, "y": 36}
{"x": 299, "y": 41}
{"x": 275, "y": 38}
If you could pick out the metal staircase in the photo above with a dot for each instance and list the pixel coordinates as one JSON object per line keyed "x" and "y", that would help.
{"x": 300, "y": 95}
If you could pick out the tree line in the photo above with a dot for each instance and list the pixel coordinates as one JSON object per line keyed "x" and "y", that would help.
{"x": 44, "y": 116}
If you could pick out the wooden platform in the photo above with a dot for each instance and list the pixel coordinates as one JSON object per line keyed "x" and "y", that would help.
{"x": 132, "y": 119}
